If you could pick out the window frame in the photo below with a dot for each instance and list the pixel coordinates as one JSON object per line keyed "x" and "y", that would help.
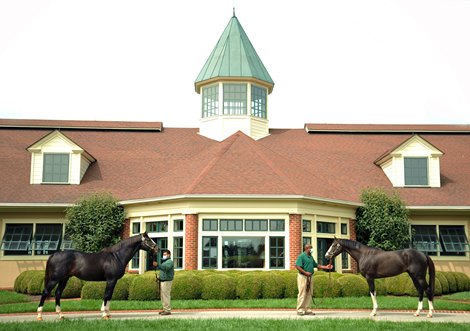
{"x": 45, "y": 156}
{"x": 408, "y": 180}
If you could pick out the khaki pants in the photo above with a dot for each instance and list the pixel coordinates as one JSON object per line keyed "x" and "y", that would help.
{"x": 165, "y": 295}
{"x": 304, "y": 299}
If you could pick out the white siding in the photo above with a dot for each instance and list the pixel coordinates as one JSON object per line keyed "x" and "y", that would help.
{"x": 36, "y": 168}
{"x": 74, "y": 172}
{"x": 259, "y": 128}
{"x": 84, "y": 164}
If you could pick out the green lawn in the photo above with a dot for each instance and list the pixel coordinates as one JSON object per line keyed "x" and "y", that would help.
{"x": 340, "y": 303}
{"x": 12, "y": 297}
{"x": 231, "y": 324}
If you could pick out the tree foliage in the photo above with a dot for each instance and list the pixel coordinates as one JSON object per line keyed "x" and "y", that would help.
{"x": 95, "y": 222}
{"x": 383, "y": 220}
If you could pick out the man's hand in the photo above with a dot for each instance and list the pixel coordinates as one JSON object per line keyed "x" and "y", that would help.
{"x": 329, "y": 267}
{"x": 308, "y": 274}
{"x": 154, "y": 263}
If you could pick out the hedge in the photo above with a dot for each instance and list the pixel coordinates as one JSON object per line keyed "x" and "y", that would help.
{"x": 210, "y": 284}
{"x": 218, "y": 287}
{"x": 353, "y": 286}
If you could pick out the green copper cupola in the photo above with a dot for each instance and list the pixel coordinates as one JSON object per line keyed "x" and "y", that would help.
{"x": 234, "y": 85}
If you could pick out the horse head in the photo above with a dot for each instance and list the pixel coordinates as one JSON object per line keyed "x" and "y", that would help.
{"x": 334, "y": 250}
{"x": 148, "y": 244}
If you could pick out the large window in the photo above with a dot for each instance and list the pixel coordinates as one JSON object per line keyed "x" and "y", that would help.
{"x": 453, "y": 240}
{"x": 416, "y": 171}
{"x": 276, "y": 252}
{"x": 210, "y": 101}
{"x": 55, "y": 168}
{"x": 243, "y": 252}
{"x": 425, "y": 239}
{"x": 17, "y": 239}
{"x": 209, "y": 252}
{"x": 47, "y": 238}
{"x": 258, "y": 101}
{"x": 235, "y": 99}
{"x": 178, "y": 252}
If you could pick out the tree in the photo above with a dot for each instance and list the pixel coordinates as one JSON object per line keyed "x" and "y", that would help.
{"x": 95, "y": 222}
{"x": 383, "y": 220}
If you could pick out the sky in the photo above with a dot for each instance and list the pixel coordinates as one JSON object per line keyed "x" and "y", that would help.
{"x": 332, "y": 61}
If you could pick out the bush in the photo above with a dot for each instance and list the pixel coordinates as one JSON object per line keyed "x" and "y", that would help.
{"x": 273, "y": 285}
{"x": 73, "y": 288}
{"x": 218, "y": 287}
{"x": 462, "y": 280}
{"x": 29, "y": 275}
{"x": 397, "y": 285}
{"x": 144, "y": 288}
{"x": 186, "y": 286}
{"x": 36, "y": 282}
{"x": 380, "y": 286}
{"x": 291, "y": 289}
{"x": 93, "y": 290}
{"x": 249, "y": 286}
{"x": 353, "y": 286}
{"x": 452, "y": 281}
{"x": 443, "y": 281}
{"x": 18, "y": 281}
{"x": 323, "y": 286}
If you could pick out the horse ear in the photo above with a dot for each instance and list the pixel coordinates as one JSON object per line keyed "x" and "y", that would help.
{"x": 335, "y": 238}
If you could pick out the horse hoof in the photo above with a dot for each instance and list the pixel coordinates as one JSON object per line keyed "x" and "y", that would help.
{"x": 61, "y": 318}
{"x": 429, "y": 315}
{"x": 373, "y": 314}
{"x": 107, "y": 317}
{"x": 39, "y": 318}
{"x": 416, "y": 314}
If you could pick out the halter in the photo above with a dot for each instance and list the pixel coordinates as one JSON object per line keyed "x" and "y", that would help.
{"x": 144, "y": 243}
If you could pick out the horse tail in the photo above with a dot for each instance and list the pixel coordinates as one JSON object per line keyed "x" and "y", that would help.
{"x": 432, "y": 274}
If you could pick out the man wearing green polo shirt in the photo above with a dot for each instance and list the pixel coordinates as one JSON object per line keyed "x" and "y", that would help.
{"x": 167, "y": 273}
{"x": 305, "y": 264}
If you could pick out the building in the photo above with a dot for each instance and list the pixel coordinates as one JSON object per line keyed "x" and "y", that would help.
{"x": 232, "y": 193}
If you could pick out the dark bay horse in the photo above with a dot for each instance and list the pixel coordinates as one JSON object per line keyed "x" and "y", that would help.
{"x": 375, "y": 263}
{"x": 107, "y": 265}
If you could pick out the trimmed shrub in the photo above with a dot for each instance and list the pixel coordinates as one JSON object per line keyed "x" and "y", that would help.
{"x": 93, "y": 290}
{"x": 73, "y": 288}
{"x": 273, "y": 285}
{"x": 144, "y": 288}
{"x": 186, "y": 286}
{"x": 444, "y": 283}
{"x": 323, "y": 286}
{"x": 461, "y": 280}
{"x": 19, "y": 280}
{"x": 353, "y": 286}
{"x": 218, "y": 286}
{"x": 30, "y": 274}
{"x": 380, "y": 286}
{"x": 249, "y": 286}
{"x": 452, "y": 281}
{"x": 36, "y": 283}
{"x": 396, "y": 285}
{"x": 291, "y": 289}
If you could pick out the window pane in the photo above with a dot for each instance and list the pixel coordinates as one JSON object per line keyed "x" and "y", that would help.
{"x": 135, "y": 228}
{"x": 209, "y": 225}
{"x": 135, "y": 261}
{"x": 344, "y": 260}
{"x": 231, "y": 225}
{"x": 209, "y": 252}
{"x": 17, "y": 239}
{"x": 454, "y": 240}
{"x": 276, "y": 225}
{"x": 276, "y": 249}
{"x": 243, "y": 252}
{"x": 256, "y": 225}
{"x": 55, "y": 168}
{"x": 258, "y": 101}
{"x": 344, "y": 228}
{"x": 325, "y": 227}
{"x": 178, "y": 225}
{"x": 47, "y": 238}
{"x": 307, "y": 226}
{"x": 416, "y": 171}
{"x": 425, "y": 239}
{"x": 210, "y": 101}
{"x": 178, "y": 252}
{"x": 235, "y": 99}
{"x": 160, "y": 226}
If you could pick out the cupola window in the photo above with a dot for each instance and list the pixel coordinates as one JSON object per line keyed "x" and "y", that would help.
{"x": 234, "y": 99}
{"x": 210, "y": 101}
{"x": 258, "y": 101}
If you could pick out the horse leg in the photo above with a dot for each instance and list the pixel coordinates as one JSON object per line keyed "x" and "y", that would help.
{"x": 108, "y": 294}
{"x": 419, "y": 288}
{"x": 429, "y": 294}
{"x": 45, "y": 293}
{"x": 58, "y": 295}
{"x": 373, "y": 295}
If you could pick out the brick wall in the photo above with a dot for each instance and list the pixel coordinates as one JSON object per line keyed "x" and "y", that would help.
{"x": 295, "y": 238}
{"x": 352, "y": 236}
{"x": 126, "y": 229}
{"x": 190, "y": 245}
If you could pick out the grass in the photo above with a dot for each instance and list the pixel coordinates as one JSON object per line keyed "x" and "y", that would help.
{"x": 385, "y": 302}
{"x": 12, "y": 297}
{"x": 463, "y": 296}
{"x": 230, "y": 324}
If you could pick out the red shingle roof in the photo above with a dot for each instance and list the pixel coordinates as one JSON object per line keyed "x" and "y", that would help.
{"x": 140, "y": 164}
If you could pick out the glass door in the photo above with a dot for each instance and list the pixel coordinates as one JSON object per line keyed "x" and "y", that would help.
{"x": 162, "y": 245}
{"x": 322, "y": 247}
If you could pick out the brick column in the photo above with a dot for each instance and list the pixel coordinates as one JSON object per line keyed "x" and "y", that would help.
{"x": 126, "y": 229}
{"x": 190, "y": 242}
{"x": 352, "y": 236}
{"x": 295, "y": 238}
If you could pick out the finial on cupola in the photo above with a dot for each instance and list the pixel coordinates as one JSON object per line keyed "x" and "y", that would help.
{"x": 233, "y": 11}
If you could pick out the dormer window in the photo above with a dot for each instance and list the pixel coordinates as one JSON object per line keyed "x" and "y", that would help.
{"x": 414, "y": 163}
{"x": 55, "y": 159}
{"x": 55, "y": 168}
{"x": 416, "y": 171}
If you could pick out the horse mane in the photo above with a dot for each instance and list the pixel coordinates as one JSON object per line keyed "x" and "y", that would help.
{"x": 353, "y": 244}
{"x": 119, "y": 245}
